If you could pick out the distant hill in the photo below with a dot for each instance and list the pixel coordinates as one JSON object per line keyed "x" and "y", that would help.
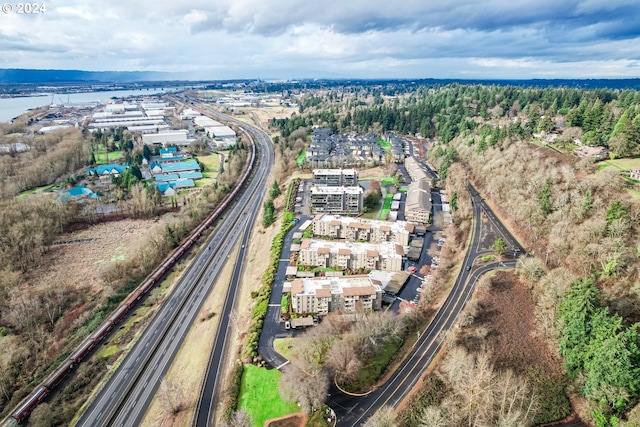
{"x": 12, "y": 76}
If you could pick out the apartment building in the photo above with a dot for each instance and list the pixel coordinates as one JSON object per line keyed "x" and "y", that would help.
{"x": 417, "y": 208}
{"x": 335, "y": 178}
{"x": 415, "y": 170}
{"x": 387, "y": 256}
{"x": 337, "y": 200}
{"x": 360, "y": 229}
{"x": 323, "y": 295}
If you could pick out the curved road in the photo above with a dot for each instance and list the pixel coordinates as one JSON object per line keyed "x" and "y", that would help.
{"x": 355, "y": 410}
{"x": 126, "y": 396}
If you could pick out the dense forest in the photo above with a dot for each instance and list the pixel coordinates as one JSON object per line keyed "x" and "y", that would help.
{"x": 580, "y": 219}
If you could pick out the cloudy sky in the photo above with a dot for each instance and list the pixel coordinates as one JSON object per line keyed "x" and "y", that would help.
{"x": 291, "y": 39}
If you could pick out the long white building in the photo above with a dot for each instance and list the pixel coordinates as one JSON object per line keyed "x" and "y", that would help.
{"x": 323, "y": 295}
{"x": 417, "y": 208}
{"x": 385, "y": 256}
{"x": 337, "y": 200}
{"x": 361, "y": 229}
{"x": 178, "y": 137}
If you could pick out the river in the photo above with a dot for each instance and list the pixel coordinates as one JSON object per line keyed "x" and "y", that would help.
{"x": 13, "y": 107}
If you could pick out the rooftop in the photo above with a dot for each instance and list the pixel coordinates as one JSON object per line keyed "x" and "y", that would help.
{"x": 383, "y": 249}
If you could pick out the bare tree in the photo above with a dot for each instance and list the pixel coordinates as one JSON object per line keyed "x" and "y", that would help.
{"x": 432, "y": 416}
{"x": 343, "y": 360}
{"x": 171, "y": 396}
{"x": 383, "y": 417}
{"x": 309, "y": 391}
{"x": 239, "y": 418}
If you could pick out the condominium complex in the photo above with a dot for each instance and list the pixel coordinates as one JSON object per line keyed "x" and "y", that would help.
{"x": 415, "y": 170}
{"x": 417, "y": 208}
{"x": 322, "y": 295}
{"x": 335, "y": 178}
{"x": 360, "y": 229}
{"x": 387, "y": 256}
{"x": 337, "y": 200}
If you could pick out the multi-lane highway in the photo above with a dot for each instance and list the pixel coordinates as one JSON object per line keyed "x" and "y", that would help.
{"x": 126, "y": 396}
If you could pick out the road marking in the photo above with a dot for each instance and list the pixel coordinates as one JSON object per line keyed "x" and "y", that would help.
{"x": 283, "y": 365}
{"x": 284, "y": 260}
{"x": 274, "y": 305}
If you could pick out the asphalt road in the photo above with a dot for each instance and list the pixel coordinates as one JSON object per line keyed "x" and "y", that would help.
{"x": 206, "y": 408}
{"x": 355, "y": 410}
{"x": 126, "y": 396}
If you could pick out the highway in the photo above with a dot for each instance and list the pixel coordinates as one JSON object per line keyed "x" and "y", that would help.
{"x": 206, "y": 407}
{"x": 126, "y": 396}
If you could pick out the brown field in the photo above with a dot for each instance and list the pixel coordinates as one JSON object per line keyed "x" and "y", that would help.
{"x": 112, "y": 242}
{"x": 506, "y": 308}
{"x": 293, "y": 420}
{"x": 505, "y": 325}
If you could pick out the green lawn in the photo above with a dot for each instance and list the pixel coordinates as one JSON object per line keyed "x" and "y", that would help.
{"x": 388, "y": 181}
{"x": 260, "y": 397}
{"x": 211, "y": 162}
{"x": 384, "y": 144}
{"x": 103, "y": 158}
{"x": 386, "y": 207}
{"x": 619, "y": 164}
{"x": 301, "y": 157}
{"x": 212, "y": 165}
{"x": 283, "y": 346}
{"x": 38, "y": 190}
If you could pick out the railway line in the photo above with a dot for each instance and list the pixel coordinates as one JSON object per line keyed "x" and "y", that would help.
{"x": 127, "y": 395}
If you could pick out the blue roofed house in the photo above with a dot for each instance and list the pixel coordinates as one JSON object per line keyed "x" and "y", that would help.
{"x": 168, "y": 152}
{"x": 170, "y": 188}
{"x": 158, "y": 168}
{"x": 76, "y": 193}
{"x": 106, "y": 172}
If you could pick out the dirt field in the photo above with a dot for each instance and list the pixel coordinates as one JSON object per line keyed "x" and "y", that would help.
{"x": 263, "y": 114}
{"x": 109, "y": 243}
{"x": 294, "y": 420}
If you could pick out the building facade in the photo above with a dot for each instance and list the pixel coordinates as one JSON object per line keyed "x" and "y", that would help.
{"x": 386, "y": 256}
{"x": 337, "y": 200}
{"x": 335, "y": 178}
{"x": 323, "y": 295}
{"x": 417, "y": 208}
{"x": 360, "y": 229}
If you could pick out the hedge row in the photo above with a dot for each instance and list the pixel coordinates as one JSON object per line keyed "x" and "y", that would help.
{"x": 262, "y": 295}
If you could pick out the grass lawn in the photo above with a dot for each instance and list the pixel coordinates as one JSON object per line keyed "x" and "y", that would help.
{"x": 282, "y": 346}
{"x": 102, "y": 157}
{"x": 301, "y": 157}
{"x": 619, "y": 164}
{"x": 211, "y": 162}
{"x": 386, "y": 207}
{"x": 388, "y": 181}
{"x": 212, "y": 165}
{"x": 260, "y": 397}
{"x": 384, "y": 144}
{"x": 38, "y": 190}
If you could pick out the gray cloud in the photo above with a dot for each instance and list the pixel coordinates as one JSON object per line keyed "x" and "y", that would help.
{"x": 336, "y": 38}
